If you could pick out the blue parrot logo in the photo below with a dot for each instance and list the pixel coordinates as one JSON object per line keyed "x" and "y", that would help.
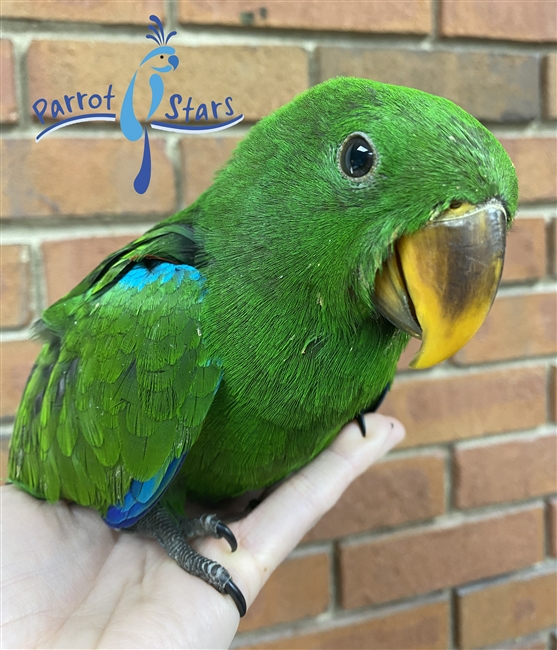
{"x": 162, "y": 59}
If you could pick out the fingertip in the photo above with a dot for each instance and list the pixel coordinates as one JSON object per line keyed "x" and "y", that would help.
{"x": 386, "y": 429}
{"x": 382, "y": 434}
{"x": 385, "y": 425}
{"x": 397, "y": 432}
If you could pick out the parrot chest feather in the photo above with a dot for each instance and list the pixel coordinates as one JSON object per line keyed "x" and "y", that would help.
{"x": 269, "y": 422}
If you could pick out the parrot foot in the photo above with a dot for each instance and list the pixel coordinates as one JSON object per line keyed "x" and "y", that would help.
{"x": 170, "y": 534}
{"x": 208, "y": 525}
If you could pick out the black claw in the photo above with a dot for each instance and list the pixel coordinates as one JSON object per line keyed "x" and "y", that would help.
{"x": 361, "y": 423}
{"x": 237, "y": 596}
{"x": 224, "y": 531}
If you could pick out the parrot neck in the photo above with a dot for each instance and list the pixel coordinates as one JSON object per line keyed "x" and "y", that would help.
{"x": 259, "y": 268}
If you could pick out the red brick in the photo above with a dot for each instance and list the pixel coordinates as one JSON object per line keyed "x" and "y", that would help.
{"x": 4, "y": 447}
{"x": 467, "y": 78}
{"x": 297, "y": 589}
{"x": 201, "y": 159}
{"x": 81, "y": 177}
{"x": 535, "y": 162}
{"x": 552, "y": 523}
{"x": 15, "y": 309}
{"x": 526, "y": 256}
{"x": 258, "y": 78}
{"x": 68, "y": 262}
{"x": 390, "y": 493}
{"x": 423, "y": 626}
{"x": 472, "y": 405}
{"x": 516, "y": 20}
{"x": 550, "y": 86}
{"x": 516, "y": 326}
{"x": 8, "y": 102}
{"x": 99, "y": 11}
{"x": 505, "y": 471}
{"x": 506, "y": 610}
{"x": 404, "y": 564}
{"x": 349, "y": 15}
{"x": 18, "y": 358}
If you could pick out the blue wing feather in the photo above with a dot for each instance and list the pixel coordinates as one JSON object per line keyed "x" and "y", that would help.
{"x": 141, "y": 497}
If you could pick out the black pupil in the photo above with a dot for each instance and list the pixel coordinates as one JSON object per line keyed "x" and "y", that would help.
{"x": 162, "y": 56}
{"x": 357, "y": 158}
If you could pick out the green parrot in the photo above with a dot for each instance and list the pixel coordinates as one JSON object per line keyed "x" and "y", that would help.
{"x": 227, "y": 346}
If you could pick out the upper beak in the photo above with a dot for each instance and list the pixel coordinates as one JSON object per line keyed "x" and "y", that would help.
{"x": 173, "y": 60}
{"x": 440, "y": 282}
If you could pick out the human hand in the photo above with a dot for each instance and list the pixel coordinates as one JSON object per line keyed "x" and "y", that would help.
{"x": 70, "y": 581}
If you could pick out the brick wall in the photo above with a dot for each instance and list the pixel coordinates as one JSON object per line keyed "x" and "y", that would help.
{"x": 448, "y": 542}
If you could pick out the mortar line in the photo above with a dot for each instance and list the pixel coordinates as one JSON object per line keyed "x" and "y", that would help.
{"x": 343, "y": 618}
{"x": 21, "y": 83}
{"x": 550, "y": 242}
{"x": 191, "y": 34}
{"x": 449, "y": 478}
{"x": 435, "y": 21}
{"x": 535, "y": 129}
{"x": 519, "y": 643}
{"x": 454, "y": 640}
{"x": 444, "y": 521}
{"x": 171, "y": 14}
{"x": 335, "y": 579}
{"x": 38, "y": 289}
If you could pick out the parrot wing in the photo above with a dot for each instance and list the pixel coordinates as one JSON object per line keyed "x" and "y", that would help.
{"x": 122, "y": 385}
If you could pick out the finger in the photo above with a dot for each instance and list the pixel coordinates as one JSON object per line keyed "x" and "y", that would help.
{"x": 275, "y": 527}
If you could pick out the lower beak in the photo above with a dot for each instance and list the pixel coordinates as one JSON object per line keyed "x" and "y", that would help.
{"x": 440, "y": 282}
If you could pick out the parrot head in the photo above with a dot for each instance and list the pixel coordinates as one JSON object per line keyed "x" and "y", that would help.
{"x": 391, "y": 204}
{"x": 163, "y": 59}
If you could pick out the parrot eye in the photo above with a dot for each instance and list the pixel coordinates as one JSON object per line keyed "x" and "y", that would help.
{"x": 162, "y": 56}
{"x": 357, "y": 156}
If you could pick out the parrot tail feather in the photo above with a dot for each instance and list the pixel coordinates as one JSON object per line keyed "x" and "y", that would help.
{"x": 143, "y": 178}
{"x": 141, "y": 497}
{"x": 35, "y": 426}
